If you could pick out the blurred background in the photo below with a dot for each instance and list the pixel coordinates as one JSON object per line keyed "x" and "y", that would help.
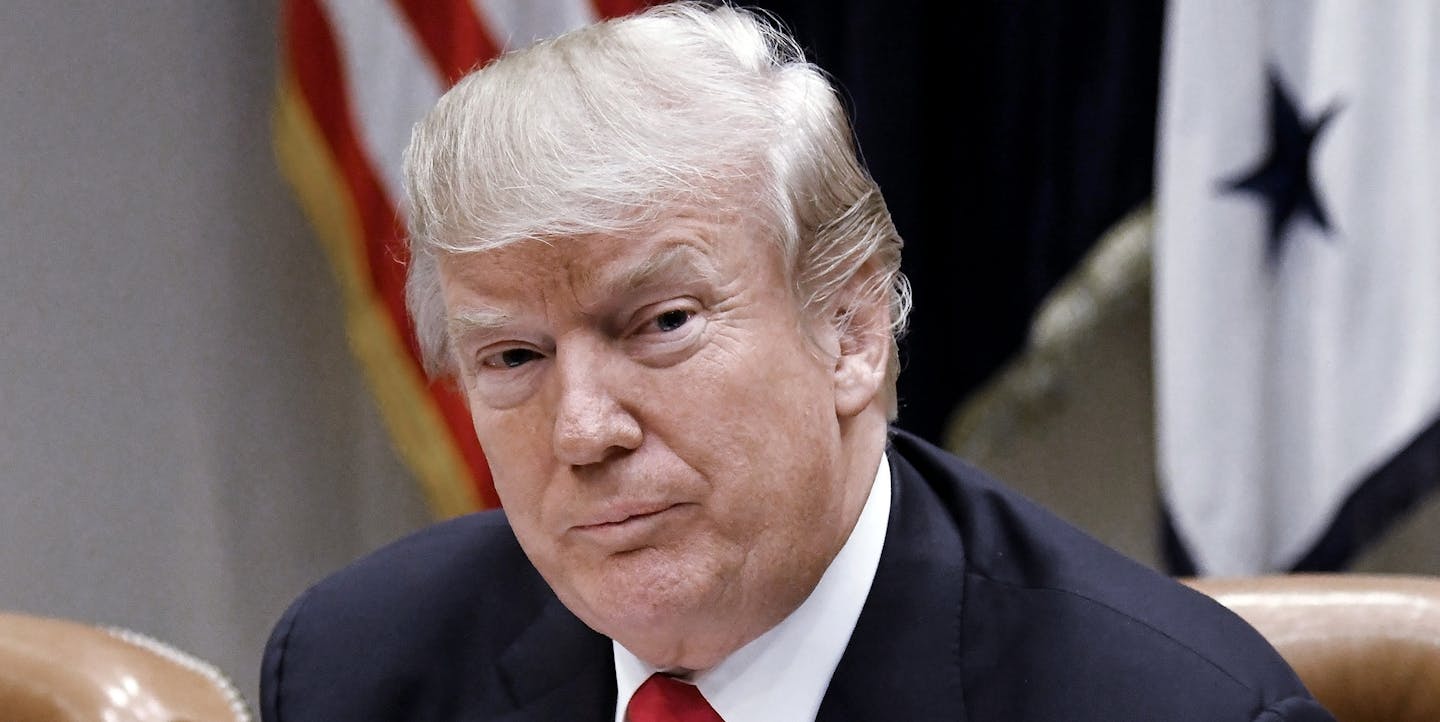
{"x": 199, "y": 406}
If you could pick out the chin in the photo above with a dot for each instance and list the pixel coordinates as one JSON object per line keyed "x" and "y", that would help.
{"x": 643, "y": 599}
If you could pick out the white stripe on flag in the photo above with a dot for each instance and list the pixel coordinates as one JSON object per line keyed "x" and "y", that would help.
{"x": 389, "y": 80}
{"x": 1284, "y": 382}
{"x": 517, "y": 24}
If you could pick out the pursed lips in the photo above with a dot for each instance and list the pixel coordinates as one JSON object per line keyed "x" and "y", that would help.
{"x": 619, "y": 528}
{"x": 621, "y": 513}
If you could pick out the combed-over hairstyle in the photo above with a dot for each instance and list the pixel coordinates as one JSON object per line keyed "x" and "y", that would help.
{"x": 611, "y": 127}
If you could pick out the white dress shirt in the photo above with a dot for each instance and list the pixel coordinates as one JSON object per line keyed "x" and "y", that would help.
{"x": 782, "y": 674}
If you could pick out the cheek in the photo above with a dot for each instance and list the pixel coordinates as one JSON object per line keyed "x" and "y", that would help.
{"x": 763, "y": 433}
{"x": 517, "y": 449}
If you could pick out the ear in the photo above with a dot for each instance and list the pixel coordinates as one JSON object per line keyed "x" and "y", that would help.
{"x": 864, "y": 351}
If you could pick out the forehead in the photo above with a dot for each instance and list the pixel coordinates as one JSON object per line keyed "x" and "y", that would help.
{"x": 593, "y": 266}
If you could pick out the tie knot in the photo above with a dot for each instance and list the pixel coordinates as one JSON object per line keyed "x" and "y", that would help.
{"x": 665, "y": 699}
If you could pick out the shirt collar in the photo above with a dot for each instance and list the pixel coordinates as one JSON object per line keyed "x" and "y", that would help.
{"x": 783, "y": 673}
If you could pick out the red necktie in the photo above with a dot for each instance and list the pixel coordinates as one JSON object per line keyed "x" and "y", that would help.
{"x": 666, "y": 699}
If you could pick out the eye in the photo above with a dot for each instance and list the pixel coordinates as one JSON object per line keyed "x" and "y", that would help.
{"x": 673, "y": 319}
{"x": 510, "y": 358}
{"x": 664, "y": 334}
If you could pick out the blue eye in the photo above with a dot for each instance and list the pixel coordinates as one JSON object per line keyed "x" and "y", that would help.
{"x": 671, "y": 320}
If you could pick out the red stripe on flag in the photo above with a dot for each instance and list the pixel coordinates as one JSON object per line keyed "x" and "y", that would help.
{"x": 616, "y": 8}
{"x": 452, "y": 35}
{"x": 315, "y": 58}
{"x": 462, "y": 428}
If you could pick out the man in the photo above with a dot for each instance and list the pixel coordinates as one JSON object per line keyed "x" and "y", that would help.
{"x": 648, "y": 255}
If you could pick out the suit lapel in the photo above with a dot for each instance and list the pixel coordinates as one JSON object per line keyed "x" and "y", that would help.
{"x": 559, "y": 669}
{"x": 903, "y": 660}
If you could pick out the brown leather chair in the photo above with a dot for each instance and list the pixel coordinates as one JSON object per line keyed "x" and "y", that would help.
{"x": 54, "y": 670}
{"x": 1367, "y": 646}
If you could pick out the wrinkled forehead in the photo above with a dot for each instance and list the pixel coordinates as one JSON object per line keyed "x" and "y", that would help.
{"x": 694, "y": 245}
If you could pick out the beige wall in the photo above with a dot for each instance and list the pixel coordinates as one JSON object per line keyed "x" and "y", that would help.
{"x": 185, "y": 441}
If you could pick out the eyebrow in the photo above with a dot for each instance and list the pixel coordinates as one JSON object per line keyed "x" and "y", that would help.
{"x": 479, "y": 320}
{"x": 672, "y": 262}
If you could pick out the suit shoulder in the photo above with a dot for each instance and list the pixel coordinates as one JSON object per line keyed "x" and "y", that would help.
{"x": 1059, "y": 608}
{"x": 424, "y": 578}
{"x": 428, "y": 561}
{"x": 384, "y": 623}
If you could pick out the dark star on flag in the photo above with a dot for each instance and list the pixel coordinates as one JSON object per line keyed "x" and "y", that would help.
{"x": 1282, "y": 179}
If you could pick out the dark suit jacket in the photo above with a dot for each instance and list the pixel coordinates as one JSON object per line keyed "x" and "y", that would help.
{"x": 984, "y": 607}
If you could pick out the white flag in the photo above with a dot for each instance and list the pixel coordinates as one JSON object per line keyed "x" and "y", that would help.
{"x": 1297, "y": 275}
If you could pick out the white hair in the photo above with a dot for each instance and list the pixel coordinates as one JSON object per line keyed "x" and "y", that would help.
{"x": 608, "y": 128}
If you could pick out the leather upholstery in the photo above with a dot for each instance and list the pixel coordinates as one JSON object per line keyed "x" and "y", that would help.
{"x": 1367, "y": 646}
{"x": 54, "y": 670}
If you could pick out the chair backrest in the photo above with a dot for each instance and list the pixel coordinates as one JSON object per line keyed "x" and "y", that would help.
{"x": 1367, "y": 646}
{"x": 54, "y": 670}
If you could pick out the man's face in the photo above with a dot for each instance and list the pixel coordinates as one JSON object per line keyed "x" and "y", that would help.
{"x": 663, "y": 433}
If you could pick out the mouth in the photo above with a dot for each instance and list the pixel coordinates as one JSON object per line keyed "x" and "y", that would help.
{"x": 628, "y": 528}
{"x": 619, "y": 517}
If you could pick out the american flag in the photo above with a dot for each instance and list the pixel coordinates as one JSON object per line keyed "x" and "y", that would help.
{"x": 355, "y": 76}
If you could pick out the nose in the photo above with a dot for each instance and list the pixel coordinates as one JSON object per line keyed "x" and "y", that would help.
{"x": 591, "y": 424}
